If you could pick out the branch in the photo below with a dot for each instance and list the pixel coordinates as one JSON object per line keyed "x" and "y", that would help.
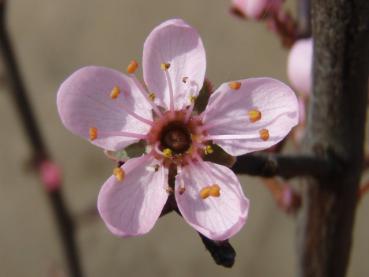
{"x": 65, "y": 224}
{"x": 270, "y": 165}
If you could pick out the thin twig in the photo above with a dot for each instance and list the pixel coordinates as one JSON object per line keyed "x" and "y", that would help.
{"x": 270, "y": 165}
{"x": 62, "y": 216}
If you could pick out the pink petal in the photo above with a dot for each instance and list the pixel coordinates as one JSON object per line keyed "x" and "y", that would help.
{"x": 299, "y": 67}
{"x": 177, "y": 43}
{"x": 131, "y": 207}
{"x": 217, "y": 218}
{"x": 84, "y": 102}
{"x": 227, "y": 114}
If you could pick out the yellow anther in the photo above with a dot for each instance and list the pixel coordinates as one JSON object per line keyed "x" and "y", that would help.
{"x": 181, "y": 190}
{"x": 193, "y": 99}
{"x": 234, "y": 85}
{"x": 167, "y": 152}
{"x": 92, "y": 133}
{"x": 115, "y": 92}
{"x": 214, "y": 190}
{"x": 165, "y": 66}
{"x": 264, "y": 134}
{"x": 152, "y": 96}
{"x": 205, "y": 192}
{"x": 254, "y": 115}
{"x": 184, "y": 79}
{"x": 208, "y": 150}
{"x": 119, "y": 174}
{"x": 132, "y": 67}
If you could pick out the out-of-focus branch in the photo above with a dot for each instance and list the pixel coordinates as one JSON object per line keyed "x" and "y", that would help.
{"x": 48, "y": 171}
{"x": 336, "y": 123}
{"x": 286, "y": 166}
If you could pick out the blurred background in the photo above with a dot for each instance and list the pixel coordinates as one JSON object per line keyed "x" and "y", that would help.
{"x": 54, "y": 38}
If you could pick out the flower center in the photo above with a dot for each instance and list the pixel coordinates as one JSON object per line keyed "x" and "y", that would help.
{"x": 176, "y": 137}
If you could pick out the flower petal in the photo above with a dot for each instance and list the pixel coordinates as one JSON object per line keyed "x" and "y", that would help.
{"x": 227, "y": 116}
{"x": 300, "y": 62}
{"x": 131, "y": 207}
{"x": 84, "y": 102}
{"x": 217, "y": 218}
{"x": 176, "y": 43}
{"x": 255, "y": 9}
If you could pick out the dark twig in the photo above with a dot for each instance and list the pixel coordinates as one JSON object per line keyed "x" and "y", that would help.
{"x": 40, "y": 153}
{"x": 270, "y": 165}
{"x": 222, "y": 251}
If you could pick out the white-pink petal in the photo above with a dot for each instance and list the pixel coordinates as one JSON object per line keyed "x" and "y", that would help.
{"x": 227, "y": 115}
{"x": 217, "y": 218}
{"x": 177, "y": 43}
{"x": 131, "y": 207}
{"x": 84, "y": 102}
{"x": 299, "y": 68}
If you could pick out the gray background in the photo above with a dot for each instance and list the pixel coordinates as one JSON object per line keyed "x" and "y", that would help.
{"x": 52, "y": 39}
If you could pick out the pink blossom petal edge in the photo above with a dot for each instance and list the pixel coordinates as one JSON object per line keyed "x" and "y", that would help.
{"x": 84, "y": 102}
{"x": 217, "y": 218}
{"x": 131, "y": 207}
{"x": 299, "y": 69}
{"x": 227, "y": 115}
{"x": 177, "y": 43}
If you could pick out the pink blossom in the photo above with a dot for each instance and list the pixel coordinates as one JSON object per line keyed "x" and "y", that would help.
{"x": 255, "y": 9}
{"x": 299, "y": 69}
{"x": 114, "y": 110}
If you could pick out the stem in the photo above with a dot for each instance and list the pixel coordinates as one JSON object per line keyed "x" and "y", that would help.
{"x": 270, "y": 165}
{"x": 40, "y": 153}
{"x": 336, "y": 125}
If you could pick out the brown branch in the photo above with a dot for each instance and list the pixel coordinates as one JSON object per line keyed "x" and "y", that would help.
{"x": 336, "y": 122}
{"x": 270, "y": 165}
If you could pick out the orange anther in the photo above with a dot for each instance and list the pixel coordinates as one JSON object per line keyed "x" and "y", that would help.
{"x": 205, "y": 192}
{"x": 214, "y": 190}
{"x": 119, "y": 173}
{"x": 254, "y": 115}
{"x": 132, "y": 67}
{"x": 165, "y": 66}
{"x": 115, "y": 92}
{"x": 264, "y": 134}
{"x": 234, "y": 85}
{"x": 92, "y": 133}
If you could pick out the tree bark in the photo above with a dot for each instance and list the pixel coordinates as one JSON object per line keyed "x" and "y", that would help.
{"x": 335, "y": 129}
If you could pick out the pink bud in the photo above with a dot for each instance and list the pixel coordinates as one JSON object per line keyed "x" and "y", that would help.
{"x": 50, "y": 175}
{"x": 255, "y": 9}
{"x": 299, "y": 68}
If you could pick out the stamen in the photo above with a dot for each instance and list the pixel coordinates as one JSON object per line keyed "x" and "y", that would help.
{"x": 167, "y": 153}
{"x": 115, "y": 92}
{"x": 119, "y": 134}
{"x": 225, "y": 137}
{"x": 208, "y": 150}
{"x": 264, "y": 134}
{"x": 119, "y": 173}
{"x": 152, "y": 96}
{"x": 234, "y": 85}
{"x": 165, "y": 66}
{"x": 132, "y": 67}
{"x": 190, "y": 108}
{"x": 254, "y": 115}
{"x": 214, "y": 190}
{"x": 205, "y": 192}
{"x": 92, "y": 133}
{"x": 146, "y": 95}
